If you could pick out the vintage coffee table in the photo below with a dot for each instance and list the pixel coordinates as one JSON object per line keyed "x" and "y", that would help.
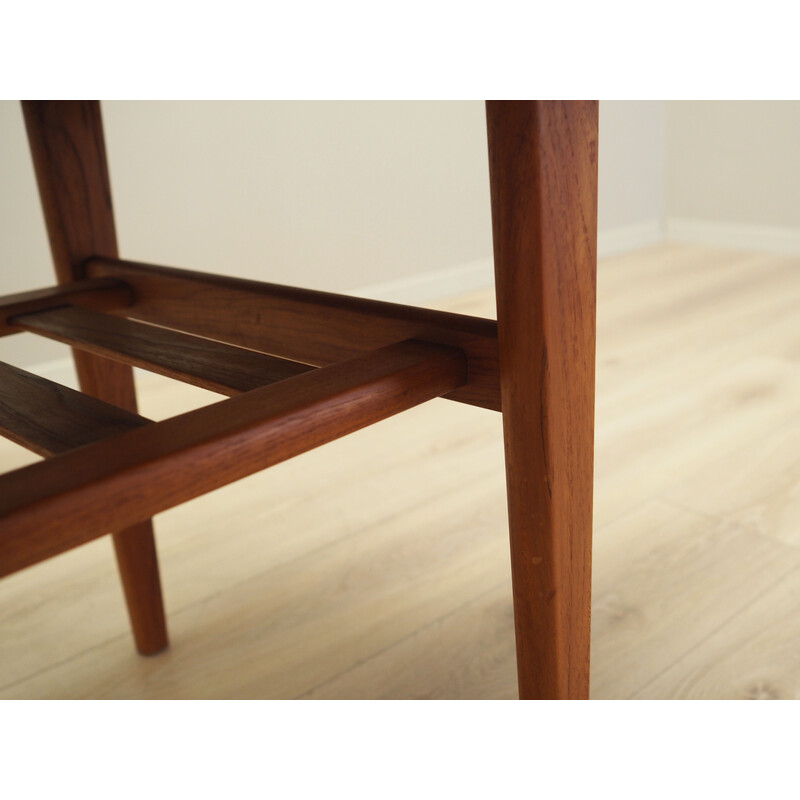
{"x": 302, "y": 368}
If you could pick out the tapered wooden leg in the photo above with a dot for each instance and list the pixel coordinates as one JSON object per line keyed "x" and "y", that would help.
{"x": 135, "y": 549}
{"x": 543, "y": 173}
{"x": 66, "y": 141}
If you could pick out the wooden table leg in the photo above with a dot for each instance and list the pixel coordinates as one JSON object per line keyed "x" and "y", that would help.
{"x": 543, "y": 173}
{"x": 66, "y": 141}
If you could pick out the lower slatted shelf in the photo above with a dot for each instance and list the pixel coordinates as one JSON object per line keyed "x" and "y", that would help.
{"x": 203, "y": 362}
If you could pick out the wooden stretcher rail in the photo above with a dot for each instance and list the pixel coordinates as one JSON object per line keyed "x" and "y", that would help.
{"x": 57, "y": 504}
{"x": 101, "y": 294}
{"x": 316, "y": 328}
{"x": 48, "y": 418}
{"x": 202, "y": 362}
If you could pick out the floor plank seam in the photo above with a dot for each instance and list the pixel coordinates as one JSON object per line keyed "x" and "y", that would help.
{"x": 711, "y": 634}
{"x": 405, "y": 638}
{"x": 174, "y": 612}
{"x": 744, "y": 527}
{"x": 68, "y": 660}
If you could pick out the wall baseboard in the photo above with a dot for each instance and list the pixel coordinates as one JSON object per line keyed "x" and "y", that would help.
{"x": 434, "y": 285}
{"x": 734, "y": 236}
{"x": 626, "y": 238}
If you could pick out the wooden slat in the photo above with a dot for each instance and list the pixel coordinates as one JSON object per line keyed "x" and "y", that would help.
{"x": 101, "y": 293}
{"x": 52, "y": 506}
{"x": 48, "y": 418}
{"x": 202, "y": 362}
{"x": 313, "y": 327}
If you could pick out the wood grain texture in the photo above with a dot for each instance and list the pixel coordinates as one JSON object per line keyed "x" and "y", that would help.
{"x": 54, "y": 505}
{"x": 203, "y": 362}
{"x": 543, "y": 175}
{"x": 370, "y": 562}
{"x": 440, "y": 661}
{"x": 48, "y": 418}
{"x": 99, "y": 294}
{"x": 316, "y": 328}
{"x": 665, "y": 580}
{"x": 751, "y": 655}
{"x": 69, "y": 159}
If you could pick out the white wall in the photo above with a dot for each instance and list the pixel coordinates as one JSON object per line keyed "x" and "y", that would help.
{"x": 336, "y": 196}
{"x": 631, "y": 175}
{"x": 329, "y": 195}
{"x": 734, "y": 173}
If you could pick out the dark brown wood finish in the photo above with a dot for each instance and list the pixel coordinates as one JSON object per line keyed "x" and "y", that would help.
{"x": 543, "y": 172}
{"x": 316, "y": 328}
{"x": 48, "y": 419}
{"x": 66, "y": 142}
{"x": 202, "y": 362}
{"x": 100, "y": 294}
{"x": 52, "y": 506}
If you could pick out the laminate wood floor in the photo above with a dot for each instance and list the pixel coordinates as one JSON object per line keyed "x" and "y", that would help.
{"x": 377, "y": 566}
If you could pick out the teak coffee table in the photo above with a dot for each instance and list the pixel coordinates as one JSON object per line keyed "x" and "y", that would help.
{"x": 303, "y": 367}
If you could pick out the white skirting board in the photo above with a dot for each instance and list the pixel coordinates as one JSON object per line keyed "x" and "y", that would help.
{"x": 734, "y": 236}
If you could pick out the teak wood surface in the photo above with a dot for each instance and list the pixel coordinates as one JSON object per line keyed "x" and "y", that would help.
{"x": 543, "y": 174}
{"x": 69, "y": 159}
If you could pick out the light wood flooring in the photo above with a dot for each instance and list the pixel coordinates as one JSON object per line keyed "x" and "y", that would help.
{"x": 377, "y": 566}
